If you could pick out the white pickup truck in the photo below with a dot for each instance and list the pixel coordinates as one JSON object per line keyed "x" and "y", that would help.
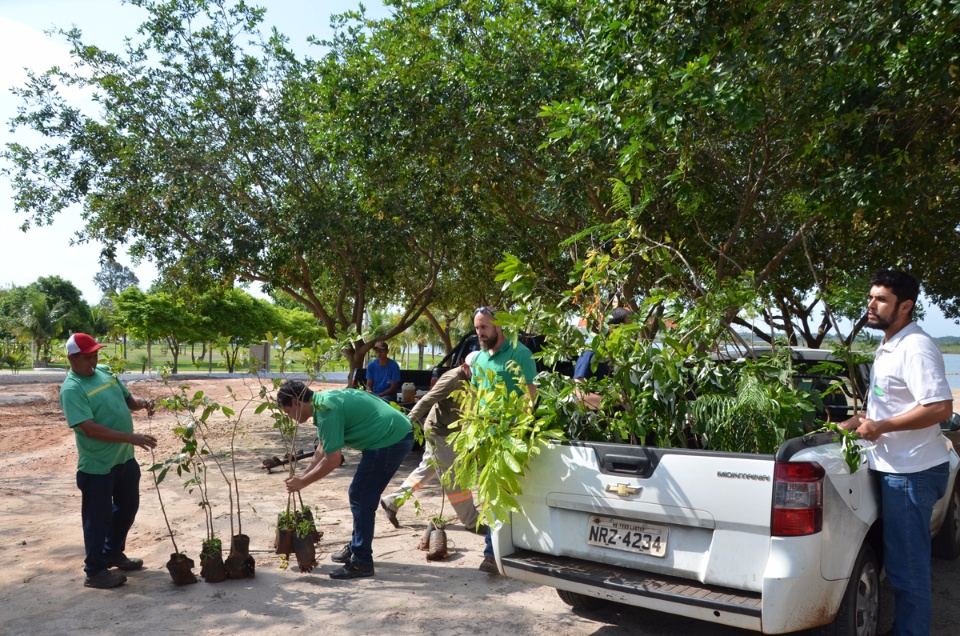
{"x": 768, "y": 543}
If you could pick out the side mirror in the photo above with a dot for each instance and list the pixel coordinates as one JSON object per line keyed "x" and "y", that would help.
{"x": 951, "y": 424}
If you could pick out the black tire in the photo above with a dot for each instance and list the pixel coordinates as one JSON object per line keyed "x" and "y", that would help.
{"x": 859, "y": 610}
{"x": 946, "y": 544}
{"x": 581, "y": 601}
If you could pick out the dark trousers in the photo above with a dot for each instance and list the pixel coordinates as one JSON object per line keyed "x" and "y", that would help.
{"x": 374, "y": 472}
{"x": 109, "y": 506}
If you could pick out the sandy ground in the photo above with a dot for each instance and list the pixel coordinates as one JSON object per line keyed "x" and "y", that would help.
{"x": 41, "y": 577}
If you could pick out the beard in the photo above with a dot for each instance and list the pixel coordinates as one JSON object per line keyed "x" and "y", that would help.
{"x": 878, "y": 323}
{"x": 489, "y": 342}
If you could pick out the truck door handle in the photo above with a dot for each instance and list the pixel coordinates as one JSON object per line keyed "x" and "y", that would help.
{"x": 626, "y": 464}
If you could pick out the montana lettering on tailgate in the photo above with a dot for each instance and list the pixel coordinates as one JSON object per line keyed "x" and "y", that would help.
{"x": 726, "y": 474}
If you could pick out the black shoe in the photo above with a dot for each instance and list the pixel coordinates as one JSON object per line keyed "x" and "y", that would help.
{"x": 352, "y": 570}
{"x": 489, "y": 565}
{"x": 105, "y": 580}
{"x": 391, "y": 514}
{"x": 124, "y": 562}
{"x": 343, "y": 556}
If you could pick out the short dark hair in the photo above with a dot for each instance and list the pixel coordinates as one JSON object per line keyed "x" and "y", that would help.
{"x": 619, "y": 316}
{"x": 903, "y": 285}
{"x": 292, "y": 390}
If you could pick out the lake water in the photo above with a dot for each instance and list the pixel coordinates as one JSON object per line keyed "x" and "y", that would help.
{"x": 952, "y": 363}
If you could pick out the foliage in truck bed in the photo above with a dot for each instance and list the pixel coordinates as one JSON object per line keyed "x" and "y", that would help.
{"x": 679, "y": 377}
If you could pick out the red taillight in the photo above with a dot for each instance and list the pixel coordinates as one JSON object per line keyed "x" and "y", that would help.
{"x": 797, "y": 499}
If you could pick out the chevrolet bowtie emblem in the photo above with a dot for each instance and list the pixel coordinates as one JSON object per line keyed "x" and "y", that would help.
{"x": 622, "y": 489}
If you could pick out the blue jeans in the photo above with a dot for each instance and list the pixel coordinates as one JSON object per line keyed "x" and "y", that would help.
{"x": 376, "y": 469}
{"x": 109, "y": 504}
{"x": 908, "y": 501}
{"x": 488, "y": 543}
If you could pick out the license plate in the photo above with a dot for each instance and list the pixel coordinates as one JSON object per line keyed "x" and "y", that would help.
{"x": 630, "y": 536}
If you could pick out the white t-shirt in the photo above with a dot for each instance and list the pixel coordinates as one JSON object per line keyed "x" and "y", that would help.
{"x": 908, "y": 370}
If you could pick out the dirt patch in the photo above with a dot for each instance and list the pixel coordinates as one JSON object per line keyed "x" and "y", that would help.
{"x": 41, "y": 549}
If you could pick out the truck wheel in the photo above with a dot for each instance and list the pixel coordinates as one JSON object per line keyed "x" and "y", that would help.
{"x": 859, "y": 609}
{"x": 580, "y": 601}
{"x": 946, "y": 545}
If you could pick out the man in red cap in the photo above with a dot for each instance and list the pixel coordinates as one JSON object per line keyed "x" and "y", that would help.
{"x": 97, "y": 407}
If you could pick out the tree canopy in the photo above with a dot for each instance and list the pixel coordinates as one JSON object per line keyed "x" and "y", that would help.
{"x": 763, "y": 155}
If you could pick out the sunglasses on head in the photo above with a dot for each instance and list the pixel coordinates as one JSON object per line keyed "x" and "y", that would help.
{"x": 487, "y": 311}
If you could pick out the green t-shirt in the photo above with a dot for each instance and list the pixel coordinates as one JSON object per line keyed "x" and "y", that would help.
{"x": 504, "y": 363}
{"x": 103, "y": 399}
{"x": 356, "y": 419}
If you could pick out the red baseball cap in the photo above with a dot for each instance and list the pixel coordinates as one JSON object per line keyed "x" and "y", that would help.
{"x": 82, "y": 343}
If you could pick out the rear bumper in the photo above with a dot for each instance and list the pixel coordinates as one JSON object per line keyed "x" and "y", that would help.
{"x": 642, "y": 589}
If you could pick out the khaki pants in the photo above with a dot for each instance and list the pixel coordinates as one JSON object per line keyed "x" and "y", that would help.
{"x": 437, "y": 454}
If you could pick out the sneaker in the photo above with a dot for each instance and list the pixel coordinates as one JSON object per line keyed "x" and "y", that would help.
{"x": 105, "y": 580}
{"x": 124, "y": 562}
{"x": 480, "y": 529}
{"x": 342, "y": 556}
{"x": 489, "y": 565}
{"x": 352, "y": 570}
{"x": 391, "y": 514}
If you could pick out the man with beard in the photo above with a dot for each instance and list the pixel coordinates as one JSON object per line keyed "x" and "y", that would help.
{"x": 513, "y": 364}
{"x": 909, "y": 397}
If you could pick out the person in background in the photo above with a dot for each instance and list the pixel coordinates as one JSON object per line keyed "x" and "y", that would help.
{"x": 355, "y": 419}
{"x": 437, "y": 411}
{"x": 97, "y": 407}
{"x": 584, "y": 370}
{"x": 499, "y": 355}
{"x": 383, "y": 374}
{"x": 908, "y": 398}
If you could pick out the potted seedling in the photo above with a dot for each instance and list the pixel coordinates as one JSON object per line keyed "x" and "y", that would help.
{"x": 180, "y": 565}
{"x": 192, "y": 462}
{"x": 240, "y": 564}
{"x": 286, "y": 527}
{"x": 295, "y": 526}
{"x": 304, "y": 539}
{"x": 434, "y": 538}
{"x": 437, "y": 546}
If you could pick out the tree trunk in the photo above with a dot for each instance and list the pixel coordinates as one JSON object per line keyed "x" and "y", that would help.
{"x": 176, "y": 357}
{"x": 355, "y": 361}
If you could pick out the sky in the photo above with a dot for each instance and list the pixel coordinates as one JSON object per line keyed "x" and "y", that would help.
{"x": 47, "y": 251}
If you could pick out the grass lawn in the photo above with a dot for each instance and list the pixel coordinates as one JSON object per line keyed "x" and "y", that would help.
{"x": 136, "y": 359}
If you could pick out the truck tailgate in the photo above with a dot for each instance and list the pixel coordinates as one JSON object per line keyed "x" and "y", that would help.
{"x": 669, "y": 512}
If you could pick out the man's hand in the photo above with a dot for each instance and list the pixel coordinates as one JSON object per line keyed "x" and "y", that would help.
{"x": 294, "y": 484}
{"x": 870, "y": 430}
{"x": 138, "y": 403}
{"x": 146, "y": 442}
{"x": 853, "y": 423}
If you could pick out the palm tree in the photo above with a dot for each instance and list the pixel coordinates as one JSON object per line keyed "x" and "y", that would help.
{"x": 40, "y": 322}
{"x": 101, "y": 321}
{"x": 421, "y": 333}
